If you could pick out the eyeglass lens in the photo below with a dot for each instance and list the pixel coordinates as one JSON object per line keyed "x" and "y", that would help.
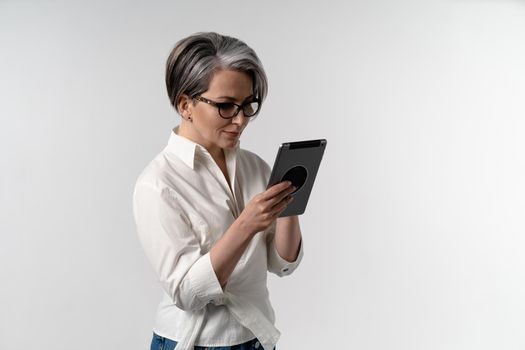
{"x": 228, "y": 110}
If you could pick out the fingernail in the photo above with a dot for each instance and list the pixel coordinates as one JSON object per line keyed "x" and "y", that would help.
{"x": 288, "y": 183}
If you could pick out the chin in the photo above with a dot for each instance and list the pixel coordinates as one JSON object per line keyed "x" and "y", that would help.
{"x": 231, "y": 143}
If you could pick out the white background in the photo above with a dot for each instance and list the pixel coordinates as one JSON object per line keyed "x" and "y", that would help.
{"x": 415, "y": 230}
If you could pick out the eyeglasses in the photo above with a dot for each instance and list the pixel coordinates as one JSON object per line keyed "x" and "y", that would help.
{"x": 228, "y": 110}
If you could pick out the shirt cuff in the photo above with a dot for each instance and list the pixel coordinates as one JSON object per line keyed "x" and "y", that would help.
{"x": 280, "y": 266}
{"x": 204, "y": 282}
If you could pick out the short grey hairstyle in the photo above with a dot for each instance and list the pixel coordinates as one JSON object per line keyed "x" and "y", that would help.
{"x": 194, "y": 59}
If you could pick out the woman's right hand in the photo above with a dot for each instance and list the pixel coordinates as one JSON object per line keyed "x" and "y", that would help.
{"x": 265, "y": 207}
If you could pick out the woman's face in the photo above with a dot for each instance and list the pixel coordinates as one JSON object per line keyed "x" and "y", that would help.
{"x": 208, "y": 128}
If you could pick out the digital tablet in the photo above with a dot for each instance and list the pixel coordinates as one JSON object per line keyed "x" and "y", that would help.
{"x": 297, "y": 162}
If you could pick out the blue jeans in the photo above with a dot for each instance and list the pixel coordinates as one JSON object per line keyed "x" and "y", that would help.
{"x": 162, "y": 343}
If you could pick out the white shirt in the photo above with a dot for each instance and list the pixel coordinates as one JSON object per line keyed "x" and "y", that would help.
{"x": 182, "y": 205}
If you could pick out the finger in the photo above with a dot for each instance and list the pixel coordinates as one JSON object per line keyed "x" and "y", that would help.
{"x": 281, "y": 205}
{"x": 284, "y": 205}
{"x": 275, "y": 190}
{"x": 283, "y": 195}
{"x": 286, "y": 192}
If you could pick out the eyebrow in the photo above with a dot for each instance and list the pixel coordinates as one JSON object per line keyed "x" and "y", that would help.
{"x": 233, "y": 98}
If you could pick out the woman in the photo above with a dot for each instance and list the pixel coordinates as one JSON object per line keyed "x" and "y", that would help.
{"x": 204, "y": 217}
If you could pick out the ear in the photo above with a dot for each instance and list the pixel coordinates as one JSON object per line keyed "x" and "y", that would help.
{"x": 184, "y": 105}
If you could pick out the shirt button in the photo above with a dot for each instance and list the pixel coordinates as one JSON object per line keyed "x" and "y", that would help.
{"x": 257, "y": 345}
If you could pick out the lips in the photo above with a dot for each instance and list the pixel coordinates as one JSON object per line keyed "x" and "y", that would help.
{"x": 232, "y": 133}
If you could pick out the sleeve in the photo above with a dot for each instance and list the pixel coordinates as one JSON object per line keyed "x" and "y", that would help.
{"x": 276, "y": 264}
{"x": 172, "y": 248}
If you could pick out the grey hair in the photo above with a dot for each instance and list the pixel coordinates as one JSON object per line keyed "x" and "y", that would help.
{"x": 194, "y": 59}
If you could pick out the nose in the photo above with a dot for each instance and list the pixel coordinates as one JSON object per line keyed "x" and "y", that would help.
{"x": 238, "y": 117}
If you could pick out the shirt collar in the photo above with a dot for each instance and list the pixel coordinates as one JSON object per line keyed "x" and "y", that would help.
{"x": 187, "y": 149}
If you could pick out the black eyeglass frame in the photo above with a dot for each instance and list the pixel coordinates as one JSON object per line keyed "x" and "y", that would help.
{"x": 239, "y": 107}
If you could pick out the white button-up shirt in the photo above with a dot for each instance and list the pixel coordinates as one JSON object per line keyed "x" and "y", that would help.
{"x": 182, "y": 205}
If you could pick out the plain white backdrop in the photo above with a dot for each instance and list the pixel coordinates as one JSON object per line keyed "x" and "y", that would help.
{"x": 415, "y": 230}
